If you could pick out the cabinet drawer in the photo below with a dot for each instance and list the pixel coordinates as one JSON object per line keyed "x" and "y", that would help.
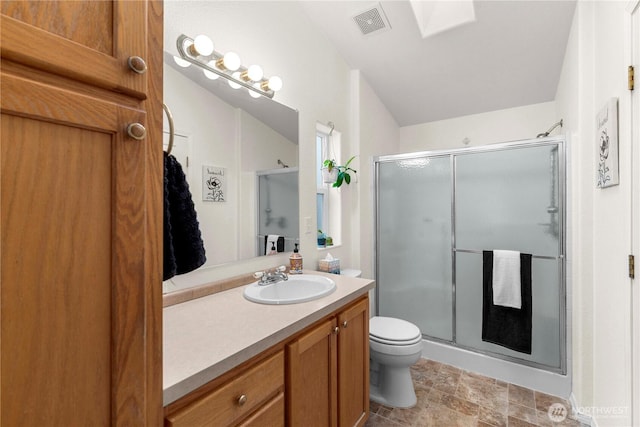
{"x": 235, "y": 399}
{"x": 271, "y": 414}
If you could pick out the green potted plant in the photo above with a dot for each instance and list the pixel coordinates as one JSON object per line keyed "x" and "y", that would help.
{"x": 329, "y": 171}
{"x": 322, "y": 239}
{"x": 342, "y": 172}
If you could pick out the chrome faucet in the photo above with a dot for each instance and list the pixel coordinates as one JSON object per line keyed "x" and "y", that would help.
{"x": 269, "y": 277}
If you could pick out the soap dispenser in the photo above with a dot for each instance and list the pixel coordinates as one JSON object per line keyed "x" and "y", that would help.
{"x": 295, "y": 262}
{"x": 273, "y": 250}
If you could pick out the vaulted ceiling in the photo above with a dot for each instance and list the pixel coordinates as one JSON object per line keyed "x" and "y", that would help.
{"x": 509, "y": 55}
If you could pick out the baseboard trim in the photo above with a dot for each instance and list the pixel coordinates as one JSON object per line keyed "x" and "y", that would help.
{"x": 579, "y": 416}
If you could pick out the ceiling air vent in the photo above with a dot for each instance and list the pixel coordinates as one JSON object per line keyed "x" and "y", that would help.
{"x": 372, "y": 20}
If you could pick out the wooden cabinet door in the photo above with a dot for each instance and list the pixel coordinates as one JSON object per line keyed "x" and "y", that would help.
{"x": 72, "y": 260}
{"x": 353, "y": 365}
{"x": 312, "y": 378}
{"x": 86, "y": 40}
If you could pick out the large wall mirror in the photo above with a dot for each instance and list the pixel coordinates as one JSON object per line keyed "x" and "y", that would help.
{"x": 240, "y": 157}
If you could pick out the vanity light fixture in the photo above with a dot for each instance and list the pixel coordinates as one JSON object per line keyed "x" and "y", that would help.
{"x": 200, "y": 52}
{"x": 181, "y": 62}
{"x": 207, "y": 73}
{"x": 202, "y": 46}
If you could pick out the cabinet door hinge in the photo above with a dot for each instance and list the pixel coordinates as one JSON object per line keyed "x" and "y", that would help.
{"x": 632, "y": 267}
{"x": 631, "y": 77}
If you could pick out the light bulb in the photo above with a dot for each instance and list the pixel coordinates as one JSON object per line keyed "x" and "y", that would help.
{"x": 255, "y": 73}
{"x": 233, "y": 84}
{"x": 209, "y": 74}
{"x": 231, "y": 61}
{"x": 203, "y": 45}
{"x": 255, "y": 94}
{"x": 181, "y": 62}
{"x": 274, "y": 83}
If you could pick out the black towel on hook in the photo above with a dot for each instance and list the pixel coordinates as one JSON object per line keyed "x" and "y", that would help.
{"x": 183, "y": 246}
{"x": 506, "y": 326}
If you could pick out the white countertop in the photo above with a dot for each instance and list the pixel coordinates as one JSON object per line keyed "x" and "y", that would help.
{"x": 205, "y": 337}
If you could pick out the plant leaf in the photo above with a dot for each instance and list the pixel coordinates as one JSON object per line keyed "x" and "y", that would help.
{"x": 346, "y": 165}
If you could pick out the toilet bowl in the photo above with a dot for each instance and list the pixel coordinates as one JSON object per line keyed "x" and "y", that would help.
{"x": 394, "y": 345}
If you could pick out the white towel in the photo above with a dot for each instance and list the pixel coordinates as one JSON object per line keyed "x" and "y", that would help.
{"x": 272, "y": 242}
{"x": 506, "y": 279}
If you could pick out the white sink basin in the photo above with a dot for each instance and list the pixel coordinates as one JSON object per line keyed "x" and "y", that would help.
{"x": 299, "y": 288}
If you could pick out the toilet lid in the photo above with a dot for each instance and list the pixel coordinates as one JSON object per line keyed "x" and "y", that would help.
{"x": 389, "y": 330}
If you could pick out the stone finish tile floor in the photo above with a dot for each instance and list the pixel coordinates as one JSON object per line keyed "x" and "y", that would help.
{"x": 452, "y": 397}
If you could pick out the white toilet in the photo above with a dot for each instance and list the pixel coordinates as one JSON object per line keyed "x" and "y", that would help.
{"x": 395, "y": 345}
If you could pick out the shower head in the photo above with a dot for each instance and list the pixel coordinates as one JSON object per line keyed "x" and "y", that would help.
{"x": 545, "y": 134}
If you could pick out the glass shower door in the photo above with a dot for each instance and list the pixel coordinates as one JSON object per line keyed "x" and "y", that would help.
{"x": 509, "y": 199}
{"x": 414, "y": 243}
{"x": 277, "y": 207}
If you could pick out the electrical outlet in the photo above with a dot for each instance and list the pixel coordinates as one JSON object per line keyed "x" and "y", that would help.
{"x": 307, "y": 225}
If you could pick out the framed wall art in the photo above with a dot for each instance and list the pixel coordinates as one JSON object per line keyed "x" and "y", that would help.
{"x": 607, "y": 140}
{"x": 214, "y": 184}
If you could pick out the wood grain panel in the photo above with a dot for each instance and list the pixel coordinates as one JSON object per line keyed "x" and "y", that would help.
{"x": 56, "y": 274}
{"x": 271, "y": 414}
{"x": 88, "y": 22}
{"x": 154, "y": 197}
{"x": 81, "y": 57}
{"x": 312, "y": 378}
{"x": 353, "y": 365}
{"x": 103, "y": 272}
{"x": 80, "y": 254}
{"x": 220, "y": 407}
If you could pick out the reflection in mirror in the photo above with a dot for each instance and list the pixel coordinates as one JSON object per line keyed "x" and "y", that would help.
{"x": 277, "y": 198}
{"x": 240, "y": 157}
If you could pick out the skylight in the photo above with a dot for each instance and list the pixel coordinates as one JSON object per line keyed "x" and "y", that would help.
{"x": 434, "y": 17}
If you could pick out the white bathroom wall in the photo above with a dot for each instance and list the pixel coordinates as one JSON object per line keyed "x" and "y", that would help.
{"x": 279, "y": 36}
{"x": 574, "y": 101}
{"x": 378, "y": 134}
{"x": 595, "y": 70}
{"x": 480, "y": 129}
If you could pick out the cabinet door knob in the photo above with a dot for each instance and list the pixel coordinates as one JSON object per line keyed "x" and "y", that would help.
{"x": 137, "y": 64}
{"x": 136, "y": 131}
{"x": 336, "y": 330}
{"x": 242, "y": 400}
{"x": 344, "y": 324}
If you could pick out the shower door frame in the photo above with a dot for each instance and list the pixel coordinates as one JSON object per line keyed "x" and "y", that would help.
{"x": 558, "y": 141}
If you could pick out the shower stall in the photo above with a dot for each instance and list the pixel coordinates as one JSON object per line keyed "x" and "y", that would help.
{"x": 277, "y": 208}
{"x": 437, "y": 211}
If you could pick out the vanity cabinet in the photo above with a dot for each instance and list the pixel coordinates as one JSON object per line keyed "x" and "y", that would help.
{"x": 328, "y": 371}
{"x": 317, "y": 377}
{"x": 86, "y": 40}
{"x": 80, "y": 214}
{"x": 253, "y": 397}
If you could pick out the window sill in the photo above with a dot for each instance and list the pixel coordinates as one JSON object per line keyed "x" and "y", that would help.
{"x": 328, "y": 248}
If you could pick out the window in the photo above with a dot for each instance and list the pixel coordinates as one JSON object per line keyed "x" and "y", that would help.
{"x": 327, "y": 197}
{"x": 322, "y": 192}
